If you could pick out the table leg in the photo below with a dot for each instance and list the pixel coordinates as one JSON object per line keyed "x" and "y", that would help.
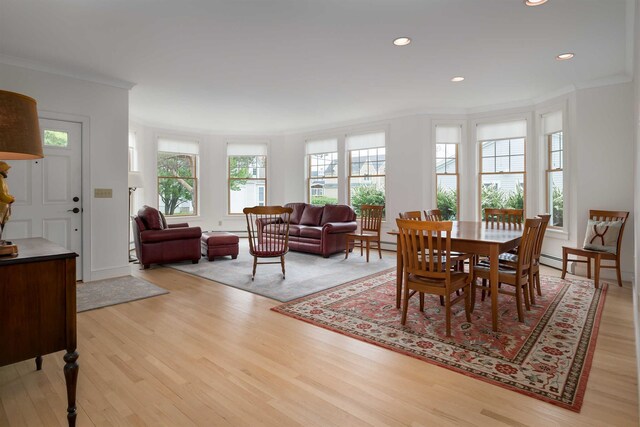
{"x": 71, "y": 377}
{"x": 398, "y": 271}
{"x": 493, "y": 279}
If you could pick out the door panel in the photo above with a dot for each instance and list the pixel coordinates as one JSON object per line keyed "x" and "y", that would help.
{"x": 45, "y": 188}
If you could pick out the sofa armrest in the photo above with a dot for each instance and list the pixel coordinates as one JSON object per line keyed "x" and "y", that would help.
{"x": 340, "y": 227}
{"x": 154, "y": 236}
{"x": 179, "y": 225}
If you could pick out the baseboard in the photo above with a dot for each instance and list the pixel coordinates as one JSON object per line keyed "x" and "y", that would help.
{"x": 108, "y": 273}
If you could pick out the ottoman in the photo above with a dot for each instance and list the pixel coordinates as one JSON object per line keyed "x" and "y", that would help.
{"x": 218, "y": 243}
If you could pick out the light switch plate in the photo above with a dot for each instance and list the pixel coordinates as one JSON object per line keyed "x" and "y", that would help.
{"x": 103, "y": 193}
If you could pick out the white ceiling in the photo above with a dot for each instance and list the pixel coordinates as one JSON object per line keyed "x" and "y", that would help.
{"x": 263, "y": 66}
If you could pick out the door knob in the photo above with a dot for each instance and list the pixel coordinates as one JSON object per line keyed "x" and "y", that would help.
{"x": 74, "y": 210}
{"x": 76, "y": 199}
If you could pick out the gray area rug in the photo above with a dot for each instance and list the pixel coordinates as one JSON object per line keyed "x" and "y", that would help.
{"x": 305, "y": 273}
{"x": 103, "y": 293}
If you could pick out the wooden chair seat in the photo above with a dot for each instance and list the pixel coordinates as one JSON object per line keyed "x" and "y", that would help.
{"x": 457, "y": 280}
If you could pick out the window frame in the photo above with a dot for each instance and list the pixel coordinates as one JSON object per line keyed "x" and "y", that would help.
{"x": 523, "y": 173}
{"x": 230, "y": 179}
{"x": 195, "y": 201}
{"x": 349, "y": 165}
{"x": 309, "y": 177}
{"x": 548, "y": 170}
{"x": 456, "y": 174}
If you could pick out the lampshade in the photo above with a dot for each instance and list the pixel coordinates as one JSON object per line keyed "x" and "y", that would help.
{"x": 19, "y": 127}
{"x": 135, "y": 180}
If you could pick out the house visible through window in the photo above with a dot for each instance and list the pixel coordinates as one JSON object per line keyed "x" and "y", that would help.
{"x": 367, "y": 169}
{"x": 447, "y": 179}
{"x": 247, "y": 166}
{"x": 322, "y": 172}
{"x": 552, "y": 127}
{"x": 177, "y": 177}
{"x": 502, "y": 165}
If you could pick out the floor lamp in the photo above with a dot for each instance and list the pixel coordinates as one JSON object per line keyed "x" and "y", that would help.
{"x": 135, "y": 182}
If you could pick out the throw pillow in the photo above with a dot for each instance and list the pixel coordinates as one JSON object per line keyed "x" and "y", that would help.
{"x": 312, "y": 215}
{"x": 150, "y": 217}
{"x": 602, "y": 236}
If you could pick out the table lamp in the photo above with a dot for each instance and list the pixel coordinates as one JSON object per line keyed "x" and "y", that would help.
{"x": 19, "y": 140}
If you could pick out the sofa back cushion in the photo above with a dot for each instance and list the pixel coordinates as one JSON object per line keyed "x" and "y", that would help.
{"x": 312, "y": 215}
{"x": 151, "y": 218}
{"x": 338, "y": 213}
{"x": 298, "y": 209}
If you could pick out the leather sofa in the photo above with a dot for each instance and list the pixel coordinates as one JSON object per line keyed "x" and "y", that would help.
{"x": 158, "y": 242}
{"x": 320, "y": 229}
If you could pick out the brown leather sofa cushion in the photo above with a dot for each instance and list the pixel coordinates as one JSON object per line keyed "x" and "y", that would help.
{"x": 298, "y": 209}
{"x": 338, "y": 213}
{"x": 312, "y": 232}
{"x": 312, "y": 215}
{"x": 151, "y": 218}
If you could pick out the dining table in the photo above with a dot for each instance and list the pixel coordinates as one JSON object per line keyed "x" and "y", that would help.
{"x": 478, "y": 238}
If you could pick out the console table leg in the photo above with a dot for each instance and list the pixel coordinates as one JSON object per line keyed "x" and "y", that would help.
{"x": 71, "y": 377}
{"x": 38, "y": 362}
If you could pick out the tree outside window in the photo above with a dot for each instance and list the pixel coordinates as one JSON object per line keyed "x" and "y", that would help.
{"x": 555, "y": 176}
{"x": 447, "y": 180}
{"x": 177, "y": 183}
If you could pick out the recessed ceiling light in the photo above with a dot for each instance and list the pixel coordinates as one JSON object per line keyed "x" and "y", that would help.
{"x": 565, "y": 56}
{"x": 402, "y": 41}
{"x": 534, "y": 2}
{"x": 457, "y": 79}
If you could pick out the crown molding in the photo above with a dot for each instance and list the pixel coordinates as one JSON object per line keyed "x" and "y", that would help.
{"x": 605, "y": 81}
{"x": 86, "y": 76}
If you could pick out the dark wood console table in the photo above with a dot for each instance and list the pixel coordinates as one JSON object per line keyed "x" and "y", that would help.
{"x": 38, "y": 308}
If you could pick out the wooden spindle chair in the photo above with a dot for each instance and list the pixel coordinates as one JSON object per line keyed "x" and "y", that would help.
{"x": 504, "y": 218}
{"x": 268, "y": 228}
{"x": 433, "y": 215}
{"x": 415, "y": 215}
{"x": 426, "y": 254}
{"x": 518, "y": 277}
{"x": 370, "y": 225}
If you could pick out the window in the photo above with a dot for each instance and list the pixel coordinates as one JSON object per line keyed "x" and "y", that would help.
{"x": 552, "y": 127}
{"x": 56, "y": 138}
{"x": 502, "y": 165}
{"x": 133, "y": 152}
{"x": 367, "y": 164}
{"x": 447, "y": 179}
{"x": 177, "y": 177}
{"x": 322, "y": 172}
{"x": 247, "y": 176}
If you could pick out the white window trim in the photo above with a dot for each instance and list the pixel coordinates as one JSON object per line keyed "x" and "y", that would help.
{"x": 267, "y": 196}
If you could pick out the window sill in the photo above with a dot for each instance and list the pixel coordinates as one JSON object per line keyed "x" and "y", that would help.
{"x": 558, "y": 234}
{"x": 179, "y": 218}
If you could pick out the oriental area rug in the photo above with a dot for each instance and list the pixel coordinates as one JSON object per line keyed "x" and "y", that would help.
{"x": 548, "y": 357}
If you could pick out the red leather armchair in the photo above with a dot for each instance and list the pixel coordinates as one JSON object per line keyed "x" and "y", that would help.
{"x": 157, "y": 243}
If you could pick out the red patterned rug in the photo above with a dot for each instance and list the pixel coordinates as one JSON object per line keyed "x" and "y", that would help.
{"x": 548, "y": 357}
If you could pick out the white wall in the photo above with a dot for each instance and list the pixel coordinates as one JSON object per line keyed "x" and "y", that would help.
{"x": 104, "y": 109}
{"x": 636, "y": 119}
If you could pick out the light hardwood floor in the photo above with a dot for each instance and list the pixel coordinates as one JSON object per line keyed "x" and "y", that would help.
{"x": 211, "y": 355}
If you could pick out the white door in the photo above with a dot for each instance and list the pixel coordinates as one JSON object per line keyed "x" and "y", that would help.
{"x": 48, "y": 191}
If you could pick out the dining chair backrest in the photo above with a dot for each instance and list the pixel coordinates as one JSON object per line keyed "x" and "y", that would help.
{"x": 415, "y": 215}
{"x": 268, "y": 229}
{"x": 433, "y": 215}
{"x": 527, "y": 245}
{"x": 426, "y": 248}
{"x": 599, "y": 215}
{"x": 504, "y": 218}
{"x": 540, "y": 238}
{"x": 371, "y": 217}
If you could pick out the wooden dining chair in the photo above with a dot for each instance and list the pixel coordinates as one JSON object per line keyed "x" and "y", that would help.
{"x": 426, "y": 255}
{"x": 509, "y": 259}
{"x": 370, "y": 225}
{"x": 504, "y": 218}
{"x": 433, "y": 215}
{"x": 268, "y": 229}
{"x": 598, "y": 256}
{"x": 519, "y": 277}
{"x": 415, "y": 215}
